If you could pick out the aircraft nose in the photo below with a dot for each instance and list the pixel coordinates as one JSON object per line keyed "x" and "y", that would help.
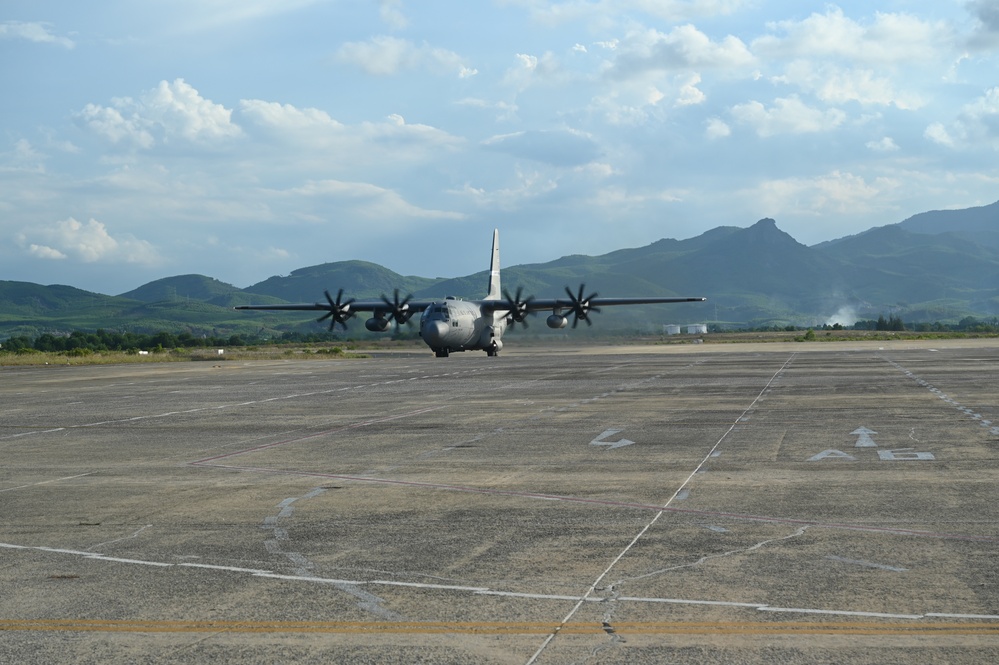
{"x": 433, "y": 332}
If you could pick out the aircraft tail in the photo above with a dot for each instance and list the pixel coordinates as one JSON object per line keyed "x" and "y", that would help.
{"x": 495, "y": 292}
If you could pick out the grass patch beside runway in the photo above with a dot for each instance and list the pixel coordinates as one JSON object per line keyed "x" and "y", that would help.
{"x": 77, "y": 357}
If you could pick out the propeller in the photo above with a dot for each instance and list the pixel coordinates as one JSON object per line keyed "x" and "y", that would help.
{"x": 399, "y": 309}
{"x": 339, "y": 310}
{"x": 580, "y": 306}
{"x": 518, "y": 309}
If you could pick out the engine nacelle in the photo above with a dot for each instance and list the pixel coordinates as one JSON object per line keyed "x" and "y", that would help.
{"x": 377, "y": 324}
{"x": 556, "y": 321}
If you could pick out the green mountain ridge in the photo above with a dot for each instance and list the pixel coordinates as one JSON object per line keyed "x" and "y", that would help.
{"x": 358, "y": 278}
{"x": 976, "y": 225}
{"x": 934, "y": 266}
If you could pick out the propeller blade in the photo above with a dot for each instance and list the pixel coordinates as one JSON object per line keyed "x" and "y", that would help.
{"x": 398, "y": 309}
{"x": 580, "y": 306}
{"x": 339, "y": 310}
{"x": 517, "y": 307}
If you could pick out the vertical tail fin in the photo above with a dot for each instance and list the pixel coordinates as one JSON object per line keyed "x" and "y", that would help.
{"x": 495, "y": 292}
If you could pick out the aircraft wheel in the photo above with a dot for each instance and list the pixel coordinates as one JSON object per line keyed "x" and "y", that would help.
{"x": 441, "y": 353}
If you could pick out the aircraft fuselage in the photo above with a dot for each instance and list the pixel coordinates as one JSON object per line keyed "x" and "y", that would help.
{"x": 456, "y": 325}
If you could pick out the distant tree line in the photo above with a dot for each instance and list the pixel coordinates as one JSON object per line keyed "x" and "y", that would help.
{"x": 130, "y": 342}
{"x": 968, "y": 324}
{"x": 893, "y": 323}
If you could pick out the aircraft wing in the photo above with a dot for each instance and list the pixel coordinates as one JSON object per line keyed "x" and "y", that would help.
{"x": 339, "y": 311}
{"x": 354, "y": 306}
{"x": 533, "y": 305}
{"x": 576, "y": 306}
{"x": 290, "y": 307}
{"x": 538, "y": 304}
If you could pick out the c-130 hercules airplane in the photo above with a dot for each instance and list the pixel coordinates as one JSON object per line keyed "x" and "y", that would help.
{"x": 466, "y": 325}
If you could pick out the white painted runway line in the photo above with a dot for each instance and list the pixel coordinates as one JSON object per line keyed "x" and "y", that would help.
{"x": 486, "y": 591}
{"x": 988, "y": 424}
{"x": 46, "y": 482}
{"x": 592, "y": 588}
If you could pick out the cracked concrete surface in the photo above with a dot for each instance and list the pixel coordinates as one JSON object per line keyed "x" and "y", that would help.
{"x": 407, "y": 508}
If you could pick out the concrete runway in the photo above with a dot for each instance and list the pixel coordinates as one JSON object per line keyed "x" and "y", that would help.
{"x": 794, "y": 503}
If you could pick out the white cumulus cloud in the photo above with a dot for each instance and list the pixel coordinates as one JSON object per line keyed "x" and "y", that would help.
{"x": 836, "y": 193}
{"x": 89, "y": 243}
{"x": 529, "y": 70}
{"x": 527, "y": 185}
{"x": 716, "y": 128}
{"x": 690, "y": 94}
{"x": 23, "y": 157}
{"x": 937, "y": 133}
{"x": 387, "y": 56}
{"x": 885, "y": 144}
{"x": 556, "y": 147}
{"x": 837, "y": 85}
{"x": 288, "y": 118}
{"x": 981, "y": 118}
{"x": 170, "y": 111}
{"x": 45, "y": 252}
{"x": 320, "y": 142}
{"x": 987, "y": 35}
{"x": 182, "y": 111}
{"x": 366, "y": 201}
{"x": 391, "y": 13}
{"x": 33, "y": 32}
{"x": 198, "y": 15}
{"x": 683, "y": 48}
{"x": 787, "y": 116}
{"x": 115, "y": 127}
{"x": 976, "y": 125}
{"x": 603, "y": 11}
{"x": 889, "y": 38}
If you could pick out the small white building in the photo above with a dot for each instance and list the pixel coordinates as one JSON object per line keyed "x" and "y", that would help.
{"x": 697, "y": 329}
{"x": 671, "y": 329}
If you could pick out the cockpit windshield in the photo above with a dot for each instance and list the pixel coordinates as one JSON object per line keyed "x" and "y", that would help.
{"x": 436, "y": 311}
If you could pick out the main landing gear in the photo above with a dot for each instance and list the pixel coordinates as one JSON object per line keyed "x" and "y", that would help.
{"x": 444, "y": 353}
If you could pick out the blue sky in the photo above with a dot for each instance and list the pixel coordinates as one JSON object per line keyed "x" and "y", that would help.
{"x": 242, "y": 139}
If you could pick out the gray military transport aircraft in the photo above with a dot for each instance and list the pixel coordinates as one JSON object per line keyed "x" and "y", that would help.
{"x": 452, "y": 324}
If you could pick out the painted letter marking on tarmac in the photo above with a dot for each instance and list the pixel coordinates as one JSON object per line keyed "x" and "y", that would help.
{"x": 864, "y": 439}
{"x": 835, "y": 454}
{"x": 903, "y": 454}
{"x": 601, "y": 440}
